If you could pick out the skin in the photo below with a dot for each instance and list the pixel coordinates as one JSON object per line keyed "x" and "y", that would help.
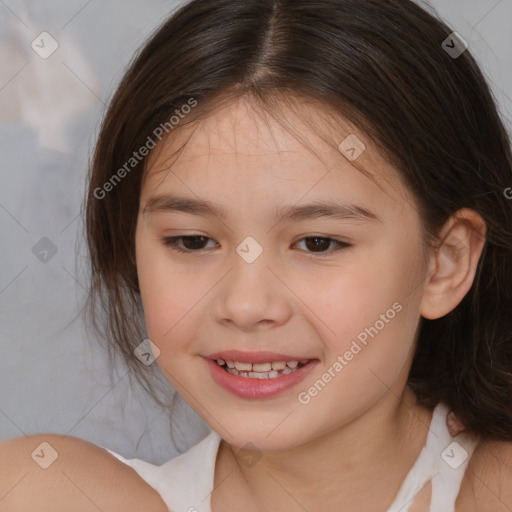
{"x": 297, "y": 300}
{"x": 81, "y": 477}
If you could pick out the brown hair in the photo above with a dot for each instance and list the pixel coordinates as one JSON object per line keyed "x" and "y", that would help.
{"x": 382, "y": 65}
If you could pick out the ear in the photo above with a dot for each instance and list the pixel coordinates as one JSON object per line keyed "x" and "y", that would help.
{"x": 454, "y": 264}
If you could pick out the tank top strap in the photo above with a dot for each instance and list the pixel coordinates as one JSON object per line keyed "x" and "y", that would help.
{"x": 451, "y": 456}
{"x": 442, "y": 461}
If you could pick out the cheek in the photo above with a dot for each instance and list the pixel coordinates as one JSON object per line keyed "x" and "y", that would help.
{"x": 171, "y": 297}
{"x": 369, "y": 310}
{"x": 161, "y": 288}
{"x": 365, "y": 352}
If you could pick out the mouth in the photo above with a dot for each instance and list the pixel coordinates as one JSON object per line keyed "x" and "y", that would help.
{"x": 264, "y": 379}
{"x": 268, "y": 370}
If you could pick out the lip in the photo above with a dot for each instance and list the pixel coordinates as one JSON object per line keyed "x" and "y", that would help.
{"x": 246, "y": 387}
{"x": 254, "y": 357}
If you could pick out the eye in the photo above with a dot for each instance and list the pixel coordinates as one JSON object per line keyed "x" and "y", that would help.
{"x": 191, "y": 243}
{"x": 319, "y": 242}
{"x": 192, "y": 240}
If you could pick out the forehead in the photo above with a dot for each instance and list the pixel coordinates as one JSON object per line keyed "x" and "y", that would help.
{"x": 242, "y": 143}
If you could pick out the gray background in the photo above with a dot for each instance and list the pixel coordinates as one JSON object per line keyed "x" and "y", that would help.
{"x": 53, "y": 376}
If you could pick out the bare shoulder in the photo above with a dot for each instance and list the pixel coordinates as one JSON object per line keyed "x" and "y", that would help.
{"x": 46, "y": 472}
{"x": 487, "y": 483}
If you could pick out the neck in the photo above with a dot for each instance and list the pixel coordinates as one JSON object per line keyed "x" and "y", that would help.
{"x": 347, "y": 463}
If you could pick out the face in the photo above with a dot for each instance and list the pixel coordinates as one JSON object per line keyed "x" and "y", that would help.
{"x": 339, "y": 292}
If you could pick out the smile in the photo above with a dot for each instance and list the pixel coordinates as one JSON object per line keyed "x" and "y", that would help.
{"x": 259, "y": 380}
{"x": 269, "y": 370}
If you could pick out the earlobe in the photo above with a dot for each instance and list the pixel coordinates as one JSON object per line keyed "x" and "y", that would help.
{"x": 454, "y": 263}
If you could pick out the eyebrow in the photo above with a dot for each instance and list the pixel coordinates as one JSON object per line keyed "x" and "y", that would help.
{"x": 201, "y": 207}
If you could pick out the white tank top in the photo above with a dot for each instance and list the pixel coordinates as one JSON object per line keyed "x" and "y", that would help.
{"x": 185, "y": 482}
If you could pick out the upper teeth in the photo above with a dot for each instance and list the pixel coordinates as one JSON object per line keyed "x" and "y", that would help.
{"x": 260, "y": 367}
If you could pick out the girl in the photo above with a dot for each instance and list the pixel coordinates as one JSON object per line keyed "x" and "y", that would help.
{"x": 311, "y": 203}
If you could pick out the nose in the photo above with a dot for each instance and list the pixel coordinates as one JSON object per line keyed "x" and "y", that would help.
{"x": 253, "y": 296}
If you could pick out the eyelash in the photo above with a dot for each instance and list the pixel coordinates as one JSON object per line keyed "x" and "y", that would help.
{"x": 172, "y": 242}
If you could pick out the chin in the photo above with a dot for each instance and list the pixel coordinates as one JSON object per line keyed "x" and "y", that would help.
{"x": 253, "y": 435}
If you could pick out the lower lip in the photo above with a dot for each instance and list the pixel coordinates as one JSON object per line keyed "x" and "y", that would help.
{"x": 246, "y": 387}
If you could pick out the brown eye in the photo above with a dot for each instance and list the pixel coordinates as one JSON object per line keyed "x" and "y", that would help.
{"x": 195, "y": 243}
{"x": 319, "y": 244}
{"x": 192, "y": 243}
